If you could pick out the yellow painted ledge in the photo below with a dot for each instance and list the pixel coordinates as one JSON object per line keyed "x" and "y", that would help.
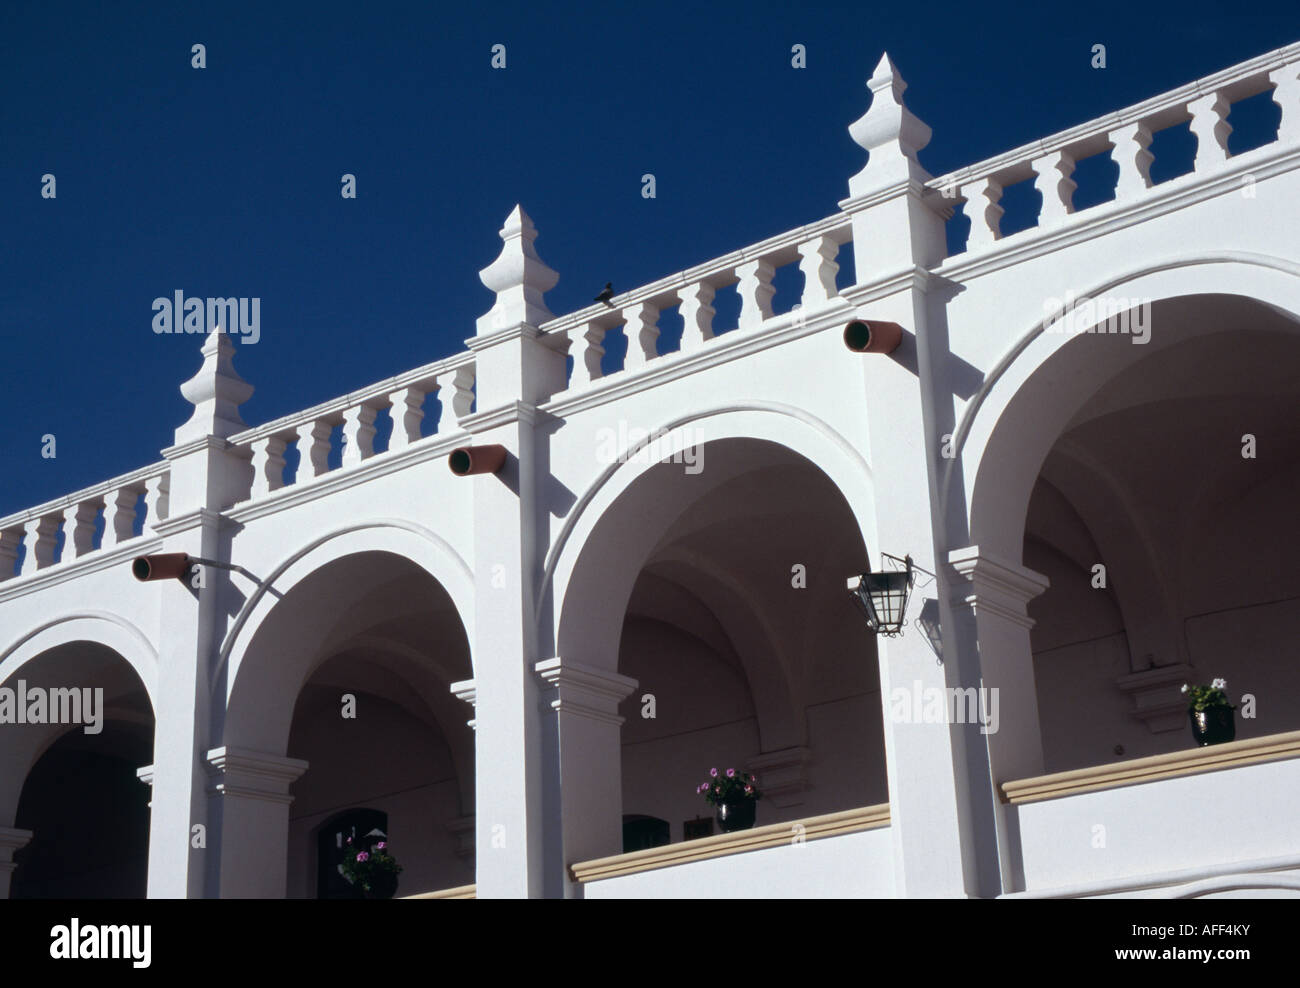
{"x": 1214, "y": 758}
{"x": 721, "y": 845}
{"x": 459, "y": 892}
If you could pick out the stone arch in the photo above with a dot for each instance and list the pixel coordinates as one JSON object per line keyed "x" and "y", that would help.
{"x": 98, "y": 627}
{"x": 571, "y": 625}
{"x": 238, "y": 663}
{"x": 1038, "y": 386}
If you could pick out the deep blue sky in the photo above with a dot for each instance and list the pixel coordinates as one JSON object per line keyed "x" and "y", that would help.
{"x": 225, "y": 181}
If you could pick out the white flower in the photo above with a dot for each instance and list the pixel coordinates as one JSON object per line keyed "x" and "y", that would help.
{"x": 1219, "y": 684}
{"x": 1184, "y": 687}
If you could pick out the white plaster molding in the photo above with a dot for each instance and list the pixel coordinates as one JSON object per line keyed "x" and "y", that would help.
{"x": 253, "y": 774}
{"x": 467, "y": 690}
{"x": 519, "y": 277}
{"x": 1157, "y": 697}
{"x": 782, "y": 775}
{"x": 462, "y": 829}
{"x": 585, "y": 691}
{"x": 998, "y": 587}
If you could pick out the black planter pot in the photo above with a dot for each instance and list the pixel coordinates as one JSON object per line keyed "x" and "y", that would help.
{"x": 382, "y": 887}
{"x": 737, "y": 814}
{"x": 1212, "y": 726}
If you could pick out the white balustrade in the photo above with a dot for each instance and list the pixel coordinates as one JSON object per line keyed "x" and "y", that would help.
{"x": 642, "y": 332}
{"x": 1211, "y": 127}
{"x": 40, "y": 536}
{"x": 358, "y": 434}
{"x": 313, "y": 449}
{"x": 985, "y": 219}
{"x": 10, "y": 540}
{"x": 819, "y": 268}
{"x": 1129, "y": 151}
{"x": 1286, "y": 94}
{"x": 586, "y": 343}
{"x": 756, "y": 292}
{"x": 1053, "y": 182}
{"x": 156, "y": 490}
{"x": 119, "y": 515}
{"x": 697, "y": 314}
{"x": 79, "y": 528}
{"x": 268, "y": 465}
{"x": 456, "y": 396}
{"x": 407, "y": 414}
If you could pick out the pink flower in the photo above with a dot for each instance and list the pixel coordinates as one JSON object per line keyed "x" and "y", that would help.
{"x": 381, "y": 845}
{"x": 749, "y": 790}
{"x": 731, "y": 773}
{"x": 713, "y": 772}
{"x": 363, "y": 856}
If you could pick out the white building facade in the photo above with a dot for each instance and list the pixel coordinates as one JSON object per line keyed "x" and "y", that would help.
{"x": 1087, "y": 432}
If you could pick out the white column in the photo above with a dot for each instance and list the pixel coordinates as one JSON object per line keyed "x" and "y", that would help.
{"x": 206, "y": 475}
{"x": 587, "y": 744}
{"x": 250, "y": 790}
{"x": 999, "y": 592}
{"x": 697, "y": 314}
{"x": 11, "y": 839}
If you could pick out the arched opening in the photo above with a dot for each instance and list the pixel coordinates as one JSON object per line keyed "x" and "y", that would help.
{"x": 737, "y": 627}
{"x": 1163, "y": 515}
{"x": 80, "y": 797}
{"x": 367, "y": 646}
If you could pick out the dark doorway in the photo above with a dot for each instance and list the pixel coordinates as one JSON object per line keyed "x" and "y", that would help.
{"x": 364, "y": 827}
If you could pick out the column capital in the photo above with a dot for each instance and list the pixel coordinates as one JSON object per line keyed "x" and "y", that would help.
{"x": 467, "y": 690}
{"x": 783, "y": 775}
{"x": 253, "y": 774}
{"x": 584, "y": 690}
{"x": 998, "y": 586}
{"x": 12, "y": 839}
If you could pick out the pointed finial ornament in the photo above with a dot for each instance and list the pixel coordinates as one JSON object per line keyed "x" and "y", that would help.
{"x": 216, "y": 392}
{"x": 890, "y": 134}
{"x": 519, "y": 277}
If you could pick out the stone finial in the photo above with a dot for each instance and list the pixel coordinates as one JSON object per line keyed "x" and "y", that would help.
{"x": 519, "y": 277}
{"x": 216, "y": 392}
{"x": 890, "y": 134}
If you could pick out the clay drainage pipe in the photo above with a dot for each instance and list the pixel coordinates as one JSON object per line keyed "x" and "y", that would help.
{"x": 160, "y": 566}
{"x": 861, "y": 336}
{"x": 476, "y": 459}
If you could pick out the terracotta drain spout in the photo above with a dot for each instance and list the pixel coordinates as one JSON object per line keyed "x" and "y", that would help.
{"x": 160, "y": 566}
{"x": 861, "y": 336}
{"x": 476, "y": 459}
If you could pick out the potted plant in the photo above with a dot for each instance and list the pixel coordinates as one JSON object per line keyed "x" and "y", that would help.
{"x": 1210, "y": 713}
{"x": 735, "y": 796}
{"x": 374, "y": 871}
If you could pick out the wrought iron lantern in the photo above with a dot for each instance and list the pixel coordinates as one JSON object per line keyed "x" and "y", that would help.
{"x": 882, "y": 596}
